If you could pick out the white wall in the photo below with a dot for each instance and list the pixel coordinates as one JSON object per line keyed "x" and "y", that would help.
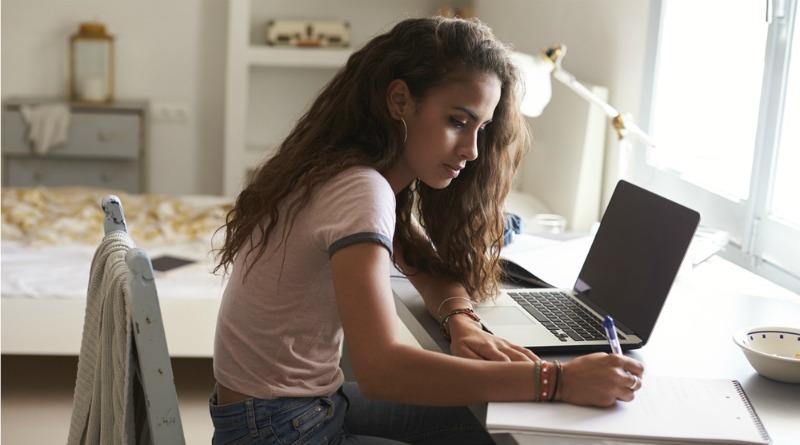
{"x": 167, "y": 52}
{"x": 606, "y": 46}
{"x": 173, "y": 52}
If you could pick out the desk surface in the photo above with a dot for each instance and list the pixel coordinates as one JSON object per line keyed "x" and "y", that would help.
{"x": 718, "y": 298}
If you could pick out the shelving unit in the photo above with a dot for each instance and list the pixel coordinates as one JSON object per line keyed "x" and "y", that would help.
{"x": 268, "y": 88}
{"x": 256, "y": 113}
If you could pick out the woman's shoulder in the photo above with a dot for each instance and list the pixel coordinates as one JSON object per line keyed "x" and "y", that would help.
{"x": 359, "y": 180}
{"x": 361, "y": 172}
{"x": 357, "y": 193}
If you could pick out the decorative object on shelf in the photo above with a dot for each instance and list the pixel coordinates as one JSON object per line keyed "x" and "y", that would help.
{"x": 91, "y": 64}
{"x": 456, "y": 9}
{"x": 311, "y": 33}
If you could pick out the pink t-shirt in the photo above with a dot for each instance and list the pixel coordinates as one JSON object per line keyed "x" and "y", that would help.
{"x": 278, "y": 331}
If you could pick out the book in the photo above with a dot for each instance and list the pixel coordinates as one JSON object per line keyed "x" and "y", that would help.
{"x": 165, "y": 263}
{"x": 666, "y": 409}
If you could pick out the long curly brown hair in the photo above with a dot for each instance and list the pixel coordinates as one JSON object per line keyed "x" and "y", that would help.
{"x": 349, "y": 125}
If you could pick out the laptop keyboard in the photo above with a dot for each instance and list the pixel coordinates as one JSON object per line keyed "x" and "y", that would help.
{"x": 561, "y": 315}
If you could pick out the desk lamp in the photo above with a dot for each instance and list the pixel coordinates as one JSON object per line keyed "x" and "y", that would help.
{"x": 536, "y": 73}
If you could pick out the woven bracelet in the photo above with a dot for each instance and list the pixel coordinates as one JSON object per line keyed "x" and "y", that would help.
{"x": 557, "y": 382}
{"x": 465, "y": 311}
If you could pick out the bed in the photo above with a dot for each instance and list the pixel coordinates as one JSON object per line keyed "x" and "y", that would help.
{"x": 49, "y": 236}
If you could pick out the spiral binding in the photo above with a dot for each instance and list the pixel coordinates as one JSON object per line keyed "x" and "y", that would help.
{"x": 752, "y": 411}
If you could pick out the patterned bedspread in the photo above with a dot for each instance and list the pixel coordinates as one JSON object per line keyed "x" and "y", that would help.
{"x": 70, "y": 215}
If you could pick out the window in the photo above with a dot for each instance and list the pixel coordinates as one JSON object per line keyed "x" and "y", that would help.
{"x": 725, "y": 112}
{"x": 785, "y": 203}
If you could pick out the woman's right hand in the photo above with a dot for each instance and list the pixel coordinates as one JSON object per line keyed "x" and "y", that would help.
{"x": 600, "y": 379}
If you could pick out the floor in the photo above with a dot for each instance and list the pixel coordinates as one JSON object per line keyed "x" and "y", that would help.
{"x": 37, "y": 395}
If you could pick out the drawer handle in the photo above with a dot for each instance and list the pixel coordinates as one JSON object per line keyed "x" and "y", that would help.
{"x": 102, "y": 136}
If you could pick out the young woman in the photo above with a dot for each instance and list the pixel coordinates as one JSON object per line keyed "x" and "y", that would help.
{"x": 404, "y": 160}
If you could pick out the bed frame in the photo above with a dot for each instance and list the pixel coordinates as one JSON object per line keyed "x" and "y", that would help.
{"x": 55, "y": 327}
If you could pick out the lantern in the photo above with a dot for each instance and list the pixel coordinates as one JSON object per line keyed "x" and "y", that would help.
{"x": 91, "y": 64}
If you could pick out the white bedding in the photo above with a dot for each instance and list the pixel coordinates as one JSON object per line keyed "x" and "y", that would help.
{"x": 48, "y": 240}
{"x": 62, "y": 271}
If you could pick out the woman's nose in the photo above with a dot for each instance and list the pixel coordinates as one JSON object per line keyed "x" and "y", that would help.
{"x": 469, "y": 147}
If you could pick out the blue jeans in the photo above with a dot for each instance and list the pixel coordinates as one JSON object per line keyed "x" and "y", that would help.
{"x": 344, "y": 418}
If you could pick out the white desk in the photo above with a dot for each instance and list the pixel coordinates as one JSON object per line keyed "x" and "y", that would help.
{"x": 717, "y": 297}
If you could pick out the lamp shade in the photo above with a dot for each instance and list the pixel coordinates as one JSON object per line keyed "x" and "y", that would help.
{"x": 535, "y": 73}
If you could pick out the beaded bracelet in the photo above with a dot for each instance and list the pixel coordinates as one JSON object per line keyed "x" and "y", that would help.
{"x": 541, "y": 379}
{"x": 544, "y": 383}
{"x": 465, "y": 311}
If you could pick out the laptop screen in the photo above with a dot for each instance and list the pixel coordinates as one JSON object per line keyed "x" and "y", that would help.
{"x": 636, "y": 254}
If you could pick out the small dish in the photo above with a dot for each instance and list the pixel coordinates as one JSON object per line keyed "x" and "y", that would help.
{"x": 773, "y": 351}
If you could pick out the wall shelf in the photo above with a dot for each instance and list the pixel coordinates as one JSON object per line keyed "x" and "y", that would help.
{"x": 267, "y": 56}
{"x": 268, "y": 87}
{"x": 262, "y": 99}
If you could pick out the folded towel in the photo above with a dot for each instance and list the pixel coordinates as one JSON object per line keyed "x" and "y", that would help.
{"x": 48, "y": 125}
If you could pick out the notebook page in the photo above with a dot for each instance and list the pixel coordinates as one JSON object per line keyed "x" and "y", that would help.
{"x": 688, "y": 409}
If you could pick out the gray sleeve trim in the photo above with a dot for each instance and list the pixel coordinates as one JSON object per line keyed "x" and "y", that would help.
{"x": 365, "y": 237}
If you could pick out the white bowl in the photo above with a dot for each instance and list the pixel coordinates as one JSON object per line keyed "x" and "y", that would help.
{"x": 773, "y": 351}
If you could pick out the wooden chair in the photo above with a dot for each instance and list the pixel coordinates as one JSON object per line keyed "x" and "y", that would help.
{"x": 151, "y": 380}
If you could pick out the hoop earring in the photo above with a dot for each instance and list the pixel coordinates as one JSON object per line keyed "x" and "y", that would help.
{"x": 405, "y": 130}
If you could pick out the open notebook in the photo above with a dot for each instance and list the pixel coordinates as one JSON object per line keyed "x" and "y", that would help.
{"x": 666, "y": 409}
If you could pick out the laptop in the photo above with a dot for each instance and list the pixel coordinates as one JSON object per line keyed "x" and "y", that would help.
{"x": 627, "y": 274}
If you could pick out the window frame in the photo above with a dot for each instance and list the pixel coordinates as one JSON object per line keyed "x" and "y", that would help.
{"x": 758, "y": 241}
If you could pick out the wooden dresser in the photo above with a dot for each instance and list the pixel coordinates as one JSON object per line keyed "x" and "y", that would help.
{"x": 105, "y": 147}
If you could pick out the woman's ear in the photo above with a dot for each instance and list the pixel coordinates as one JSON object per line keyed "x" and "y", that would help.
{"x": 398, "y": 98}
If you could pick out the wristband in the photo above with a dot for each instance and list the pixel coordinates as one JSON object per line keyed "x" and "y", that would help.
{"x": 464, "y": 311}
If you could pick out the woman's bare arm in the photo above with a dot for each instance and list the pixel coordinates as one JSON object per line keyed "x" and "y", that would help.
{"x": 388, "y": 369}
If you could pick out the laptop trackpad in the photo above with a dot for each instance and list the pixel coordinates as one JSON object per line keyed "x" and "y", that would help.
{"x": 503, "y": 315}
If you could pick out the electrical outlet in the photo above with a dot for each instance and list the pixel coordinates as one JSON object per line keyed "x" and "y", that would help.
{"x": 164, "y": 112}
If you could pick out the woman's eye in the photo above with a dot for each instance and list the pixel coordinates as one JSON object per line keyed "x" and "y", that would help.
{"x": 458, "y": 123}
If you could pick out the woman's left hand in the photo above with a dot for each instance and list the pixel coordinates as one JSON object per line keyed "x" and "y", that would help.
{"x": 469, "y": 340}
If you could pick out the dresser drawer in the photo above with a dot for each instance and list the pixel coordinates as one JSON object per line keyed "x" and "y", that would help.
{"x": 30, "y": 172}
{"x": 96, "y": 135}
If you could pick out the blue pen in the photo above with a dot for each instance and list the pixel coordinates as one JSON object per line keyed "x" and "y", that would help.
{"x": 611, "y": 333}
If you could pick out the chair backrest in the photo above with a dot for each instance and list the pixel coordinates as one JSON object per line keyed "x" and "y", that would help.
{"x": 152, "y": 363}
